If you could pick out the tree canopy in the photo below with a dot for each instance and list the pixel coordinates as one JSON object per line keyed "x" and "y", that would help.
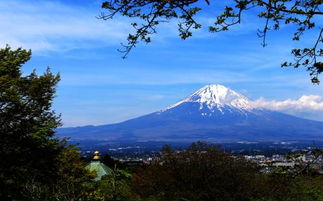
{"x": 34, "y": 165}
{"x": 26, "y": 123}
{"x": 304, "y": 14}
{"x": 201, "y": 172}
{"x": 204, "y": 172}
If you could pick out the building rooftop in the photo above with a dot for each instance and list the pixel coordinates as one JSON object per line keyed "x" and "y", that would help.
{"x": 100, "y": 168}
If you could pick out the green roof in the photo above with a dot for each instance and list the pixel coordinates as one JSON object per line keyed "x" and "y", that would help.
{"x": 99, "y": 168}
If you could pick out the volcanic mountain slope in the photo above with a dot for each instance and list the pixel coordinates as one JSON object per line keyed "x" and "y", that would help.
{"x": 213, "y": 113}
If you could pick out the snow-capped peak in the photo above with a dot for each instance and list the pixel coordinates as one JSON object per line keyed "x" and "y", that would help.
{"x": 217, "y": 96}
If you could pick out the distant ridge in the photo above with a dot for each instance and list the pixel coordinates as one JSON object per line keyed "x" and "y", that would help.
{"x": 212, "y": 113}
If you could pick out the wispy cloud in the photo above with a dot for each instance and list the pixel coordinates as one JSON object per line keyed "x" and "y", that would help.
{"x": 150, "y": 77}
{"x": 55, "y": 26}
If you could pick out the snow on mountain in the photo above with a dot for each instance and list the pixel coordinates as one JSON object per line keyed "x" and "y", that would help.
{"x": 216, "y": 96}
{"x": 213, "y": 113}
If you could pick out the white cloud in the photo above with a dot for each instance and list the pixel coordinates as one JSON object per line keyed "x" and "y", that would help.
{"x": 307, "y": 106}
{"x": 306, "y": 102}
{"x": 54, "y": 26}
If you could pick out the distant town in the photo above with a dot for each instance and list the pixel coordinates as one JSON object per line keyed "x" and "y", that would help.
{"x": 269, "y": 156}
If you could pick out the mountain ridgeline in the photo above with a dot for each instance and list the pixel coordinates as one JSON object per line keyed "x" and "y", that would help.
{"x": 214, "y": 113}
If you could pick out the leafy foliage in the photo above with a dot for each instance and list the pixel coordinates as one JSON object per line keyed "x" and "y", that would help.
{"x": 70, "y": 181}
{"x": 301, "y": 13}
{"x": 114, "y": 187}
{"x": 282, "y": 186}
{"x": 34, "y": 165}
{"x": 26, "y": 123}
{"x": 200, "y": 173}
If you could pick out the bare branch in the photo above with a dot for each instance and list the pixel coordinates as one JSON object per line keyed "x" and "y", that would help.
{"x": 275, "y": 12}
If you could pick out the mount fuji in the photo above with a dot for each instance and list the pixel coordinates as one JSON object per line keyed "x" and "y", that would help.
{"x": 213, "y": 113}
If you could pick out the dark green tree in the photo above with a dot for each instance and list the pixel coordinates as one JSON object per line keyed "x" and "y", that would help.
{"x": 70, "y": 182}
{"x": 27, "y": 124}
{"x": 304, "y": 14}
{"x": 202, "y": 172}
{"x": 114, "y": 186}
{"x": 283, "y": 186}
{"x": 34, "y": 165}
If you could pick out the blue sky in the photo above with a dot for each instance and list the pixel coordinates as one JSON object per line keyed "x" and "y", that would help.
{"x": 99, "y": 87}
